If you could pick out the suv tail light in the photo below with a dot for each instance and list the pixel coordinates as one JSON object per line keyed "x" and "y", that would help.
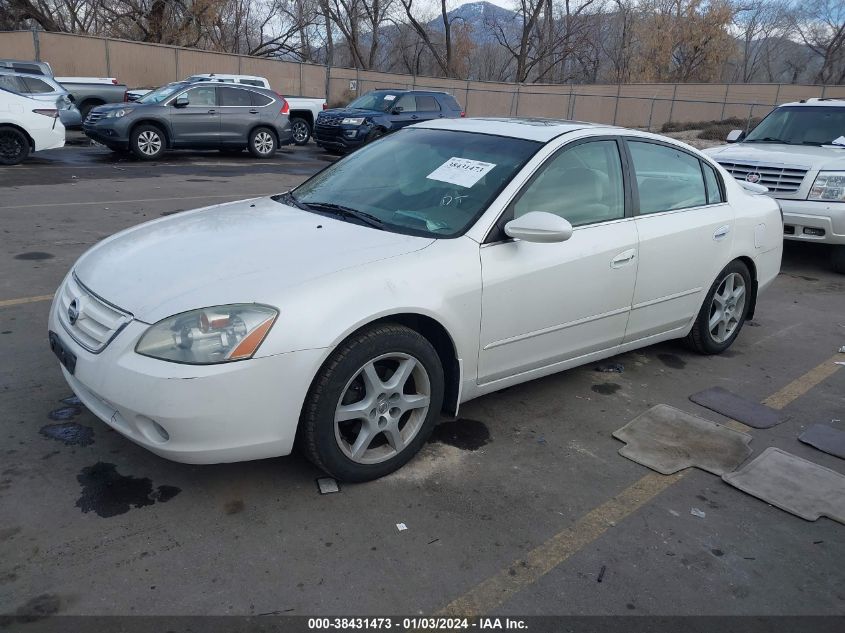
{"x": 463, "y": 114}
{"x": 285, "y": 106}
{"x": 114, "y": 81}
{"x": 50, "y": 112}
{"x": 325, "y": 106}
{"x": 126, "y": 96}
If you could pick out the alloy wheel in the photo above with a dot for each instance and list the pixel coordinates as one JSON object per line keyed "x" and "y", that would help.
{"x": 10, "y": 145}
{"x": 300, "y": 131}
{"x": 263, "y": 142}
{"x": 727, "y": 307}
{"x": 149, "y": 142}
{"x": 382, "y": 408}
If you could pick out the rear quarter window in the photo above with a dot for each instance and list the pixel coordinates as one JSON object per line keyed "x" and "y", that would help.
{"x": 450, "y": 102}
{"x": 260, "y": 99}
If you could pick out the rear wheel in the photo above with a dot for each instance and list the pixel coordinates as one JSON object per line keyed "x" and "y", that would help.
{"x": 301, "y": 131}
{"x": 374, "y": 135}
{"x": 724, "y": 310}
{"x": 373, "y": 404}
{"x": 837, "y": 259}
{"x": 14, "y": 146}
{"x": 262, "y": 143}
{"x": 147, "y": 142}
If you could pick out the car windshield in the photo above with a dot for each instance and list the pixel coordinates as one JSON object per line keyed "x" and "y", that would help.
{"x": 160, "y": 94}
{"x": 381, "y": 101}
{"x": 800, "y": 125}
{"x": 421, "y": 182}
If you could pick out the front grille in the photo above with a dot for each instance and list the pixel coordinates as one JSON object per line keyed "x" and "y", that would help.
{"x": 327, "y": 133}
{"x": 778, "y": 178}
{"x": 93, "y": 116}
{"x": 788, "y": 229}
{"x": 329, "y": 120}
{"x": 98, "y": 321}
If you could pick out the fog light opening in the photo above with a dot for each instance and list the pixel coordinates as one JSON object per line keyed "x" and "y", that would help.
{"x": 809, "y": 230}
{"x": 152, "y": 430}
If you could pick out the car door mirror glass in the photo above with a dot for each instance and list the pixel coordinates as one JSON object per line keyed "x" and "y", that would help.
{"x": 539, "y": 226}
{"x": 735, "y": 136}
{"x": 181, "y": 101}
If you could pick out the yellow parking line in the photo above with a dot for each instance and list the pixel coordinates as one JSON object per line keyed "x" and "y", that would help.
{"x": 494, "y": 591}
{"x": 4, "y": 303}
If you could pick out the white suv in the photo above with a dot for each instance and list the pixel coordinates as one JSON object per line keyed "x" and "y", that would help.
{"x": 798, "y": 153}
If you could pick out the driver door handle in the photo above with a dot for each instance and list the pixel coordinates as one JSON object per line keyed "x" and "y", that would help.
{"x": 624, "y": 258}
{"x": 212, "y": 111}
{"x": 253, "y": 111}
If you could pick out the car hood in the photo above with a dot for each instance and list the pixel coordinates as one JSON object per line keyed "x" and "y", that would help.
{"x": 806, "y": 156}
{"x": 354, "y": 112}
{"x": 239, "y": 252}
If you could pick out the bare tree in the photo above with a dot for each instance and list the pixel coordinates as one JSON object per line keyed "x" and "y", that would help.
{"x": 821, "y": 24}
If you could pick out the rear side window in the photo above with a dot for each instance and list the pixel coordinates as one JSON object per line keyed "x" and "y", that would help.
{"x": 36, "y": 86}
{"x": 714, "y": 191}
{"x": 234, "y": 97}
{"x": 427, "y": 103}
{"x": 260, "y": 99}
{"x": 667, "y": 178}
{"x": 450, "y": 102}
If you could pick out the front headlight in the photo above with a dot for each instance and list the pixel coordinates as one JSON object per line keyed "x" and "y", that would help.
{"x": 210, "y": 335}
{"x": 829, "y": 186}
{"x": 357, "y": 120}
{"x": 116, "y": 114}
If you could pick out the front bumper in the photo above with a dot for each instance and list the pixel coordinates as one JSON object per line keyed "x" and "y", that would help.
{"x": 813, "y": 221}
{"x": 110, "y": 132}
{"x": 339, "y": 136}
{"x": 209, "y": 414}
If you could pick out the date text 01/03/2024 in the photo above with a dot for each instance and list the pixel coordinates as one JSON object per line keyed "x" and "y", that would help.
{"x": 415, "y": 624}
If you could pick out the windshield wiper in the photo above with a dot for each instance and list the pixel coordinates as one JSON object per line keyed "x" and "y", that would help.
{"x": 346, "y": 212}
{"x": 767, "y": 139}
{"x": 288, "y": 198}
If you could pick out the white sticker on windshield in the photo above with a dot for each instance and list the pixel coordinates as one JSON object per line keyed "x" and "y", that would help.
{"x": 389, "y": 97}
{"x": 461, "y": 171}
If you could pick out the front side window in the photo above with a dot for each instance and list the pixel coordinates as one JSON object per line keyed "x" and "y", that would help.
{"x": 800, "y": 125}
{"x": 582, "y": 184}
{"x": 234, "y": 97}
{"x": 381, "y": 101}
{"x": 667, "y": 178}
{"x": 161, "y": 94}
{"x": 408, "y": 103}
{"x": 417, "y": 181}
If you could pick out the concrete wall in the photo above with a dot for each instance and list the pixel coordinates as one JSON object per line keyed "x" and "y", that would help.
{"x": 636, "y": 105}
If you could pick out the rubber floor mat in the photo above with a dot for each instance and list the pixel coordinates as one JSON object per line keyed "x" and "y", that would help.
{"x": 793, "y": 484}
{"x": 667, "y": 440}
{"x": 825, "y": 438}
{"x": 738, "y": 408}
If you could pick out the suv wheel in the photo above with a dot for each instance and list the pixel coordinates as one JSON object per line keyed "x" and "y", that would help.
{"x": 14, "y": 146}
{"x": 374, "y": 135}
{"x": 837, "y": 259}
{"x": 724, "y": 310}
{"x": 262, "y": 143}
{"x": 301, "y": 131}
{"x": 147, "y": 142}
{"x": 373, "y": 404}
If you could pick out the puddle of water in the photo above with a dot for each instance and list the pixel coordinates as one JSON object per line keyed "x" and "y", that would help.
{"x": 108, "y": 493}
{"x": 672, "y": 361}
{"x": 71, "y": 433}
{"x": 34, "y": 255}
{"x": 468, "y": 435}
{"x": 64, "y": 413}
{"x": 606, "y": 388}
{"x": 72, "y": 401}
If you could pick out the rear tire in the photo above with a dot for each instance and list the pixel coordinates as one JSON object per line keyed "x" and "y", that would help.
{"x": 262, "y": 143}
{"x": 301, "y": 131}
{"x": 723, "y": 312}
{"x": 14, "y": 146}
{"x": 147, "y": 142}
{"x": 837, "y": 259}
{"x": 373, "y": 404}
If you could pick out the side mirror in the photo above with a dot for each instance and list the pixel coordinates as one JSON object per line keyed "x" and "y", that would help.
{"x": 735, "y": 136}
{"x": 181, "y": 101}
{"x": 539, "y": 226}
{"x": 396, "y": 111}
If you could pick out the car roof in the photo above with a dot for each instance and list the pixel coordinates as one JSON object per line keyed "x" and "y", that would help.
{"x": 829, "y": 102}
{"x": 227, "y": 76}
{"x": 533, "y": 129}
{"x": 8, "y": 71}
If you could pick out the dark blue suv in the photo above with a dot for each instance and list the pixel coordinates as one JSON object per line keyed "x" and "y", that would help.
{"x": 378, "y": 113}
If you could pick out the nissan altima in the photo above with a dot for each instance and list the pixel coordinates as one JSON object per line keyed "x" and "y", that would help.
{"x": 449, "y": 260}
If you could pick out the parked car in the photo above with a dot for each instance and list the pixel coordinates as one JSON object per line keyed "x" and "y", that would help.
{"x": 798, "y": 152}
{"x": 191, "y": 115}
{"x": 43, "y": 88}
{"x": 26, "y": 66}
{"x": 381, "y": 112}
{"x": 27, "y": 125}
{"x": 349, "y": 311}
{"x": 90, "y": 92}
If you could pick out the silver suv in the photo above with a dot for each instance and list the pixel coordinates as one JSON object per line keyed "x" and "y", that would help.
{"x": 798, "y": 153}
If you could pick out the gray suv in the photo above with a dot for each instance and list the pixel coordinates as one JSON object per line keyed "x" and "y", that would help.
{"x": 191, "y": 115}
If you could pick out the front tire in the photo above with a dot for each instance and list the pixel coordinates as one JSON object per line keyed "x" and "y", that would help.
{"x": 724, "y": 311}
{"x": 147, "y": 142}
{"x": 373, "y": 404}
{"x": 301, "y": 131}
{"x": 14, "y": 146}
{"x": 837, "y": 259}
{"x": 262, "y": 143}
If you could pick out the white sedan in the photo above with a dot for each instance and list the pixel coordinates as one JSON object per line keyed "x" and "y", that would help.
{"x": 27, "y": 125}
{"x": 446, "y": 261}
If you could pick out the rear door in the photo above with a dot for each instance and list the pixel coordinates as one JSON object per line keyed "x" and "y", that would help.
{"x": 237, "y": 114}
{"x": 685, "y": 235}
{"x": 198, "y": 123}
{"x": 428, "y": 108}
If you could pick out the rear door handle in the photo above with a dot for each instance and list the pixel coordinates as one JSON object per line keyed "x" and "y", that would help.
{"x": 623, "y": 258}
{"x": 212, "y": 111}
{"x": 722, "y": 232}
{"x": 253, "y": 111}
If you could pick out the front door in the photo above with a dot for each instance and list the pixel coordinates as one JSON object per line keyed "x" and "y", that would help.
{"x": 407, "y": 106}
{"x": 544, "y": 304}
{"x": 198, "y": 123}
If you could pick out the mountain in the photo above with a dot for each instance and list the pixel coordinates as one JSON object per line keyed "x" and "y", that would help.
{"x": 479, "y": 16}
